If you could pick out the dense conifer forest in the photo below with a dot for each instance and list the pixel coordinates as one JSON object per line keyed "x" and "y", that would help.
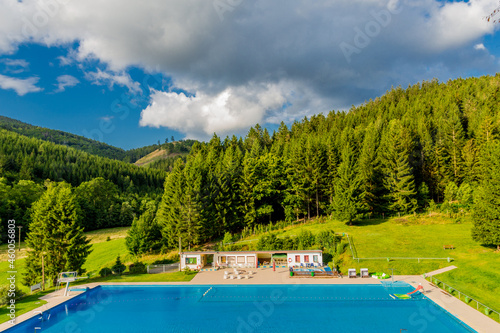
{"x": 92, "y": 146}
{"x": 432, "y": 143}
{"x": 109, "y": 192}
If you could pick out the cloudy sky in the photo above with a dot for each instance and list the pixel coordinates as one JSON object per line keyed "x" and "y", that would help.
{"x": 131, "y": 73}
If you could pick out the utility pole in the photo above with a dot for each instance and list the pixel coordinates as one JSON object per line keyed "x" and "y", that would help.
{"x": 180, "y": 248}
{"x": 19, "y": 226}
{"x": 43, "y": 274}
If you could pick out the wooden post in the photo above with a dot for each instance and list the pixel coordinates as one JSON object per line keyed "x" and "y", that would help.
{"x": 180, "y": 248}
{"x": 19, "y": 227}
{"x": 43, "y": 274}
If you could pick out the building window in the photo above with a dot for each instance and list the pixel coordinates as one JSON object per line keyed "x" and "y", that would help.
{"x": 241, "y": 260}
{"x": 191, "y": 261}
{"x": 315, "y": 258}
{"x": 223, "y": 259}
{"x": 297, "y": 258}
{"x": 306, "y": 258}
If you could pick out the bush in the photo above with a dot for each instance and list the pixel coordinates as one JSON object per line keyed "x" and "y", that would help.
{"x": 118, "y": 267}
{"x": 164, "y": 261}
{"x": 137, "y": 268}
{"x": 306, "y": 239}
{"x": 4, "y": 294}
{"x": 105, "y": 272}
{"x": 327, "y": 258}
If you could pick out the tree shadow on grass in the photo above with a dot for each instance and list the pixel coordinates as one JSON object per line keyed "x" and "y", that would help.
{"x": 367, "y": 222}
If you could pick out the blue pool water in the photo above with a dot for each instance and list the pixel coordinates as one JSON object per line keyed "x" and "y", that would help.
{"x": 245, "y": 308}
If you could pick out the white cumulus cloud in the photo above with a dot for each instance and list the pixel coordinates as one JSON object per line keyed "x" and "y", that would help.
{"x": 229, "y": 57}
{"x": 20, "y": 86}
{"x": 64, "y": 81}
{"x": 111, "y": 78}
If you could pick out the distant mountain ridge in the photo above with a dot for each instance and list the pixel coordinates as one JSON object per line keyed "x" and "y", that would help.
{"x": 75, "y": 141}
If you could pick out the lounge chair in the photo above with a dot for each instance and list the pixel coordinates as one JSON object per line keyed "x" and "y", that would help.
{"x": 363, "y": 272}
{"x": 352, "y": 273}
{"x": 247, "y": 276}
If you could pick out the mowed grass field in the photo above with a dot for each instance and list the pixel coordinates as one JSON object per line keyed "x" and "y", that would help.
{"x": 103, "y": 254}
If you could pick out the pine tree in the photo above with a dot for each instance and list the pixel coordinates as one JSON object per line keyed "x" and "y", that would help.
{"x": 145, "y": 234}
{"x": 486, "y": 220}
{"x": 169, "y": 210}
{"x": 368, "y": 169}
{"x": 347, "y": 203}
{"x": 398, "y": 178}
{"x": 55, "y": 233}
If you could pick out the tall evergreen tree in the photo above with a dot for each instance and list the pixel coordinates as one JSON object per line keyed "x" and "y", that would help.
{"x": 347, "y": 203}
{"x": 486, "y": 210}
{"x": 56, "y": 235}
{"x": 398, "y": 178}
{"x": 145, "y": 234}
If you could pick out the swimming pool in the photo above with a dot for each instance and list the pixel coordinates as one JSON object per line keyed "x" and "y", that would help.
{"x": 245, "y": 308}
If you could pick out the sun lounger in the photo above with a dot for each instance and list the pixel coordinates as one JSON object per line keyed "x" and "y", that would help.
{"x": 363, "y": 272}
{"x": 352, "y": 273}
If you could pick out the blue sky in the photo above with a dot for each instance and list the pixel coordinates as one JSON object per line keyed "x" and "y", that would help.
{"x": 130, "y": 73}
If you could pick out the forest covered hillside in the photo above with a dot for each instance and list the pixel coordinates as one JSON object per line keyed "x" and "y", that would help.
{"x": 110, "y": 192}
{"x": 63, "y": 138}
{"x": 164, "y": 162}
{"x": 432, "y": 143}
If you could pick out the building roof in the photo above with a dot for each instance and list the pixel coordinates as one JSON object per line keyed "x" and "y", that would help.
{"x": 251, "y": 252}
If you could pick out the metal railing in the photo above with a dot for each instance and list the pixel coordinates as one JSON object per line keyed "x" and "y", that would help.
{"x": 354, "y": 253}
{"x": 162, "y": 268}
{"x": 466, "y": 298}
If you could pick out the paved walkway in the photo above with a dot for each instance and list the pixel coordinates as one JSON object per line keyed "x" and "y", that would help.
{"x": 268, "y": 276}
{"x": 467, "y": 314}
{"x": 442, "y": 270}
{"x": 453, "y": 305}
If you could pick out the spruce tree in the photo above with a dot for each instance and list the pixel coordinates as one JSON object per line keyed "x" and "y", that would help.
{"x": 145, "y": 234}
{"x": 347, "y": 202}
{"x": 56, "y": 235}
{"x": 486, "y": 210}
{"x": 398, "y": 178}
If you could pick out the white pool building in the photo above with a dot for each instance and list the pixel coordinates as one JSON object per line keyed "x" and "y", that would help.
{"x": 213, "y": 260}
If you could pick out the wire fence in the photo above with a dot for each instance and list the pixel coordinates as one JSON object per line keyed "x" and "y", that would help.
{"x": 463, "y": 297}
{"x": 354, "y": 253}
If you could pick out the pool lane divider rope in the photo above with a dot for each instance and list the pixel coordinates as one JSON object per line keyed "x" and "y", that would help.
{"x": 225, "y": 298}
{"x": 205, "y": 293}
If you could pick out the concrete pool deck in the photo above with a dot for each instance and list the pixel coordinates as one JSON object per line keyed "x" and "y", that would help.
{"x": 475, "y": 319}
